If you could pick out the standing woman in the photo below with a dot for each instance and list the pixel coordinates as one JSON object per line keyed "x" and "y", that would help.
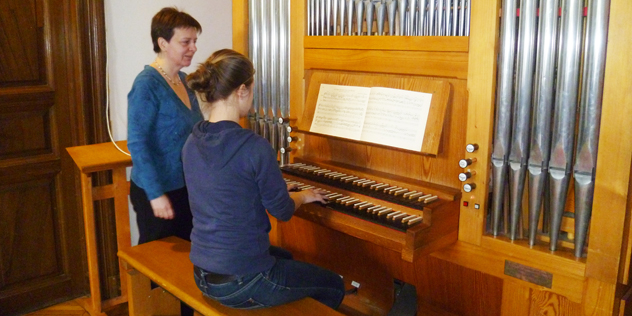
{"x": 161, "y": 113}
{"x": 233, "y": 178}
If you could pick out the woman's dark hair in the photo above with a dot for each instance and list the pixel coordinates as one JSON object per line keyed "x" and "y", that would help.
{"x": 166, "y": 21}
{"x": 221, "y": 74}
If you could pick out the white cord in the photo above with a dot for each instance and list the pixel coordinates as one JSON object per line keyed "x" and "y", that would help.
{"x": 107, "y": 101}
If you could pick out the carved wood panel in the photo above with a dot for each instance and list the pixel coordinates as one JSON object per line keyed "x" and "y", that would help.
{"x": 22, "y": 43}
{"x": 47, "y": 91}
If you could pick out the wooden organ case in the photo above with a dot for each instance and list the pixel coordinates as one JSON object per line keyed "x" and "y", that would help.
{"x": 456, "y": 265}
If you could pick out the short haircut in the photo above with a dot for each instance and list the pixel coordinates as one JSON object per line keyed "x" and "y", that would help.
{"x": 164, "y": 23}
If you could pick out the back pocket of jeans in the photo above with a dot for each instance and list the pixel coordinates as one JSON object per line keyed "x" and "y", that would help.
{"x": 248, "y": 304}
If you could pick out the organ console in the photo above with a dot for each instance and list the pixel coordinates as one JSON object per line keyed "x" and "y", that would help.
{"x": 454, "y": 219}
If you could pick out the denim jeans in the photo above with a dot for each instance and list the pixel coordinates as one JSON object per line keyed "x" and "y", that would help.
{"x": 288, "y": 280}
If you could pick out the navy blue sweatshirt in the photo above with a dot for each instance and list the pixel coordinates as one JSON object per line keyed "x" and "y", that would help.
{"x": 232, "y": 177}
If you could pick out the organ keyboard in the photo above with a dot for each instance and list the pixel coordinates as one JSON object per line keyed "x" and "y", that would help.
{"x": 405, "y": 215}
{"x": 376, "y": 213}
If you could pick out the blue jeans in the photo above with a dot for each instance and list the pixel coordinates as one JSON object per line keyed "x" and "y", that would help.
{"x": 288, "y": 280}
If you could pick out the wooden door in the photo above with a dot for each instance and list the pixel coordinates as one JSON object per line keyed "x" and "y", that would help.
{"x": 49, "y": 93}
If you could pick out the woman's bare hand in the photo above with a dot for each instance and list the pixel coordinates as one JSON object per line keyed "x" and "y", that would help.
{"x": 162, "y": 207}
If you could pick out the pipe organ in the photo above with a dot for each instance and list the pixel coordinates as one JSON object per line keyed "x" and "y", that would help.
{"x": 518, "y": 202}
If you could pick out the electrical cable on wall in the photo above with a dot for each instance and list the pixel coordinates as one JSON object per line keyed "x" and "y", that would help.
{"x": 107, "y": 105}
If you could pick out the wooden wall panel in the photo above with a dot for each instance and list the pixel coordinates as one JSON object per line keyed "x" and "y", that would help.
{"x": 49, "y": 93}
{"x": 25, "y": 126}
{"x": 457, "y": 289}
{"x": 28, "y": 206}
{"x": 21, "y": 61}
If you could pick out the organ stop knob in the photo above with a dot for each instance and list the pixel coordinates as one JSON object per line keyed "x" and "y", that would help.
{"x": 468, "y": 187}
{"x": 470, "y": 148}
{"x": 465, "y": 175}
{"x": 463, "y": 163}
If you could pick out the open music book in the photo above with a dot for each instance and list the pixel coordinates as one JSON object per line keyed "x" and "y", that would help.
{"x": 384, "y": 116}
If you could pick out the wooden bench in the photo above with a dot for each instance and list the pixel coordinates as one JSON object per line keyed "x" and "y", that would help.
{"x": 166, "y": 262}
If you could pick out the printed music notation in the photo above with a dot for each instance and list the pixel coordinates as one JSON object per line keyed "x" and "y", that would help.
{"x": 385, "y": 116}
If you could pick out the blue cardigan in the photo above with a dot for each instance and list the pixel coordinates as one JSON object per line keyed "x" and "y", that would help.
{"x": 233, "y": 177}
{"x": 158, "y": 124}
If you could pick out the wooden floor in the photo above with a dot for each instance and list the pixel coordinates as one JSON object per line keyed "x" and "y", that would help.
{"x": 71, "y": 308}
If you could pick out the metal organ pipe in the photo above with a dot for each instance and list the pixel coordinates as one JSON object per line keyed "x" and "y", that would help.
{"x": 557, "y": 150}
{"x": 380, "y": 12}
{"x": 431, "y": 18}
{"x": 421, "y": 21}
{"x": 391, "y": 10}
{"x": 504, "y": 95}
{"x": 539, "y": 153}
{"x": 269, "y": 52}
{"x": 350, "y": 17}
{"x": 519, "y": 150}
{"x": 402, "y": 6}
{"x": 589, "y": 117}
{"x": 369, "y": 9}
{"x": 341, "y": 8}
{"x": 405, "y": 17}
{"x": 565, "y": 103}
{"x": 410, "y": 25}
{"x": 274, "y": 73}
{"x": 284, "y": 77}
{"x": 253, "y": 28}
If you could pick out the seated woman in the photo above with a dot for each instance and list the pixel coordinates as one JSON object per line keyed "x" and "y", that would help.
{"x": 233, "y": 177}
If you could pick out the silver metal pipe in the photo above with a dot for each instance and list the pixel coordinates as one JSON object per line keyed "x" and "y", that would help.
{"x": 519, "y": 152}
{"x": 462, "y": 17}
{"x": 342, "y": 5}
{"x": 380, "y": 10}
{"x": 275, "y": 72}
{"x": 350, "y": 17}
{"x": 539, "y": 153}
{"x": 316, "y": 17}
{"x": 448, "y": 17}
{"x": 440, "y": 18}
{"x": 432, "y": 31}
{"x": 310, "y": 20}
{"x": 263, "y": 102}
{"x": 369, "y": 12}
{"x": 359, "y": 8}
{"x": 504, "y": 97}
{"x": 253, "y": 52}
{"x": 328, "y": 17}
{"x": 323, "y": 17}
{"x": 589, "y": 117}
{"x": 565, "y": 104}
{"x": 284, "y": 58}
{"x": 391, "y": 10}
{"x": 410, "y": 25}
{"x": 403, "y": 4}
{"x": 453, "y": 13}
{"x": 334, "y": 17}
{"x": 265, "y": 69}
{"x": 421, "y": 18}
{"x": 468, "y": 12}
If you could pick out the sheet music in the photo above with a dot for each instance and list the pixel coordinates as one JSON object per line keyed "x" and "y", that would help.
{"x": 385, "y": 116}
{"x": 396, "y": 118}
{"x": 340, "y": 111}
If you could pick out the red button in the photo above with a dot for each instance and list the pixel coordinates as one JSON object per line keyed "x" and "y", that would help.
{"x": 465, "y": 203}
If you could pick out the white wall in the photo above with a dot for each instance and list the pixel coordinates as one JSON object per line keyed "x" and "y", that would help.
{"x": 129, "y": 47}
